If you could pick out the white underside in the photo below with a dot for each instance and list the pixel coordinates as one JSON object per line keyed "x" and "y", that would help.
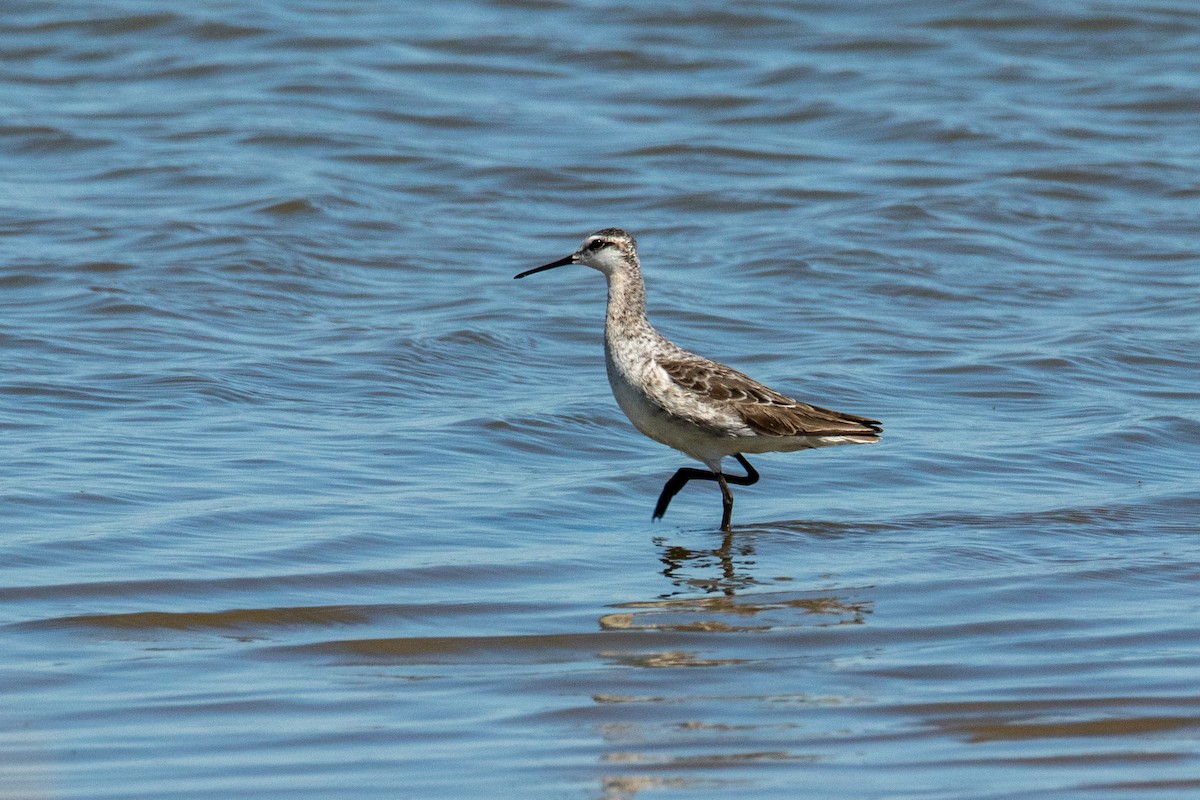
{"x": 705, "y": 431}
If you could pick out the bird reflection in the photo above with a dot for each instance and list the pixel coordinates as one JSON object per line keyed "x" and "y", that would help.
{"x": 716, "y": 590}
{"x": 725, "y": 570}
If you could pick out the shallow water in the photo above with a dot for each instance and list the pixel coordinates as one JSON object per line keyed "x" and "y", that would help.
{"x": 305, "y": 497}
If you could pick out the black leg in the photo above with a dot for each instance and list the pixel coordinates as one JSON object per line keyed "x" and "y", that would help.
{"x": 726, "y": 503}
{"x": 677, "y": 482}
{"x": 751, "y": 476}
{"x": 685, "y": 474}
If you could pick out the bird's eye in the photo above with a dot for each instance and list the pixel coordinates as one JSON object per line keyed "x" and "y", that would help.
{"x": 597, "y": 244}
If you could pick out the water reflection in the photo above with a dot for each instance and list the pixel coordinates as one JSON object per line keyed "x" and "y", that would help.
{"x": 670, "y": 734}
{"x": 711, "y": 594}
{"x": 718, "y": 568}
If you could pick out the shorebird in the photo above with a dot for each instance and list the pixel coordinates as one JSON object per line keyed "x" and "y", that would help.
{"x": 700, "y": 407}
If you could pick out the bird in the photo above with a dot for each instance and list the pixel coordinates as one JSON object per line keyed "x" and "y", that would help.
{"x": 698, "y": 406}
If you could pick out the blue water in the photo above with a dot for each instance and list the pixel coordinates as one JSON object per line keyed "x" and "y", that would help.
{"x": 304, "y": 496}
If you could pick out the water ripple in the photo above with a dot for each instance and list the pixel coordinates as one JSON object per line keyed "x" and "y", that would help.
{"x": 303, "y": 492}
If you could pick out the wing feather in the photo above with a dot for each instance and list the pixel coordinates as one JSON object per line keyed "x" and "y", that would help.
{"x": 763, "y": 409}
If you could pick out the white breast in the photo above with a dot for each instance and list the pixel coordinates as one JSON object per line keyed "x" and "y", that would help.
{"x": 663, "y": 411}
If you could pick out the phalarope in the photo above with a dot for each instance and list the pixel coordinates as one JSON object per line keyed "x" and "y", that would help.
{"x": 700, "y": 407}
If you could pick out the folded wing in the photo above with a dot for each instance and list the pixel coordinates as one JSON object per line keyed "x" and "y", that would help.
{"x": 765, "y": 410}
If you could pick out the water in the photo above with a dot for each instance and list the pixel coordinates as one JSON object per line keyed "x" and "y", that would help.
{"x": 303, "y": 496}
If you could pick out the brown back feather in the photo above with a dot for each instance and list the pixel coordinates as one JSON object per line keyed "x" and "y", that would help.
{"x": 765, "y": 410}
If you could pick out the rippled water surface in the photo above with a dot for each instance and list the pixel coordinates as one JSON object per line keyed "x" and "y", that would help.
{"x": 304, "y": 497}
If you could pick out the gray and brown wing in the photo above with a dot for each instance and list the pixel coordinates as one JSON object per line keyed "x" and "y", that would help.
{"x": 765, "y": 410}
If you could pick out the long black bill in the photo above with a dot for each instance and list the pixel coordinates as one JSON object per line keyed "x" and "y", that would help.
{"x": 562, "y": 262}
